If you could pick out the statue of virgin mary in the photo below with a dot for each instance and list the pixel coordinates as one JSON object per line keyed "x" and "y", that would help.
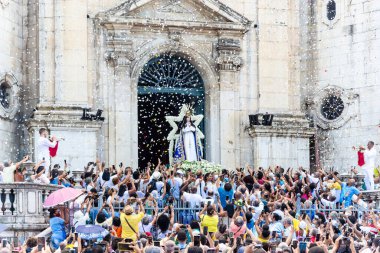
{"x": 187, "y": 146}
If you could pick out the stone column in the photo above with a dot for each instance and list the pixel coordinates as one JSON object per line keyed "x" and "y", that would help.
{"x": 120, "y": 125}
{"x": 229, "y": 64}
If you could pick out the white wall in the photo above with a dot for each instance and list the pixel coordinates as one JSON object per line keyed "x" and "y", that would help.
{"x": 11, "y": 30}
{"x": 348, "y": 54}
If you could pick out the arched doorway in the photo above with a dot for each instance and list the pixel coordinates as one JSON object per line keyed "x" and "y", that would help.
{"x": 165, "y": 83}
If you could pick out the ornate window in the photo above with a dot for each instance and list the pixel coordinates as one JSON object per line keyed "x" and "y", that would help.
{"x": 170, "y": 71}
{"x": 331, "y": 10}
{"x": 5, "y": 91}
{"x": 332, "y": 107}
{"x": 9, "y": 91}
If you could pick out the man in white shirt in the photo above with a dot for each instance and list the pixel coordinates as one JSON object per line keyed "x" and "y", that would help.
{"x": 9, "y": 169}
{"x": 43, "y": 145}
{"x": 194, "y": 198}
{"x": 369, "y": 165}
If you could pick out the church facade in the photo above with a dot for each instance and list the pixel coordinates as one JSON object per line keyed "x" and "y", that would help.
{"x": 314, "y": 66}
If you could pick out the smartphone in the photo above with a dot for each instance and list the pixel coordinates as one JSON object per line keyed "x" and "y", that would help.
{"x": 43, "y": 158}
{"x": 307, "y": 239}
{"x": 302, "y": 247}
{"x": 238, "y": 241}
{"x": 273, "y": 234}
{"x": 327, "y": 236}
{"x": 121, "y": 246}
{"x": 231, "y": 242}
{"x": 156, "y": 243}
{"x": 176, "y": 249}
{"x": 4, "y": 243}
{"x": 294, "y": 244}
{"x": 205, "y": 230}
{"x": 75, "y": 236}
{"x": 121, "y": 165}
{"x": 318, "y": 237}
{"x": 216, "y": 243}
{"x": 72, "y": 229}
{"x": 197, "y": 240}
{"x": 150, "y": 240}
{"x": 40, "y": 243}
{"x": 65, "y": 161}
{"x": 15, "y": 242}
{"x": 72, "y": 250}
{"x": 231, "y": 234}
{"x": 128, "y": 240}
{"x": 139, "y": 244}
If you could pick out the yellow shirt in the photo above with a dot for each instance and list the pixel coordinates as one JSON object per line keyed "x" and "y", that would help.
{"x": 133, "y": 220}
{"x": 336, "y": 186}
{"x": 376, "y": 172}
{"x": 263, "y": 239}
{"x": 210, "y": 221}
{"x": 296, "y": 224}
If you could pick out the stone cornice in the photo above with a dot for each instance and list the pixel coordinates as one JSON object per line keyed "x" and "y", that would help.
{"x": 129, "y": 23}
{"x": 280, "y": 131}
{"x": 26, "y": 185}
{"x": 60, "y": 116}
{"x": 284, "y": 125}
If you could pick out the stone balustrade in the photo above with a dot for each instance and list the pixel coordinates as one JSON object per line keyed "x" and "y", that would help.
{"x": 21, "y": 208}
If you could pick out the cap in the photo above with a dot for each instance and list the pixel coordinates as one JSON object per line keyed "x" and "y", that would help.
{"x": 156, "y": 175}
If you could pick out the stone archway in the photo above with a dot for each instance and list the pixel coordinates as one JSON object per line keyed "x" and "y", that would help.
{"x": 165, "y": 83}
{"x": 211, "y": 87}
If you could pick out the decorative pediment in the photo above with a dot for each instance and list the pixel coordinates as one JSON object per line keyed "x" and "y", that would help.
{"x": 206, "y": 13}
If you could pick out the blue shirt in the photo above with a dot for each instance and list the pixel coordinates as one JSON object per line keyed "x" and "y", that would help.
{"x": 54, "y": 181}
{"x": 348, "y": 192}
{"x": 175, "y": 189}
{"x": 57, "y": 226}
{"x": 223, "y": 194}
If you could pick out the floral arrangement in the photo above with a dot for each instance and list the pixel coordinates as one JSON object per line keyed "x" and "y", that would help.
{"x": 204, "y": 165}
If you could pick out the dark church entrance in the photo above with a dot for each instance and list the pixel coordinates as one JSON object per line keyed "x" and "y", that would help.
{"x": 165, "y": 84}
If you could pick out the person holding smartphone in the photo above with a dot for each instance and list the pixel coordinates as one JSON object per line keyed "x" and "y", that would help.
{"x": 210, "y": 219}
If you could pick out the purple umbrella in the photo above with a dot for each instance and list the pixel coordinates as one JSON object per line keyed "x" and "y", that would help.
{"x": 89, "y": 232}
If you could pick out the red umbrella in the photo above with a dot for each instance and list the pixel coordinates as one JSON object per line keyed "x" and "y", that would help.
{"x": 61, "y": 196}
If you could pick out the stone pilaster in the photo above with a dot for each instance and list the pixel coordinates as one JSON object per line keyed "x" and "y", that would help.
{"x": 228, "y": 63}
{"x": 120, "y": 56}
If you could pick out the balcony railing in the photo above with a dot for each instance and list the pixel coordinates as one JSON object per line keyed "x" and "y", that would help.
{"x": 21, "y": 208}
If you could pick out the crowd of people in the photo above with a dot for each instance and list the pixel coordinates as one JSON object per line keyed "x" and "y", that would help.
{"x": 167, "y": 209}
